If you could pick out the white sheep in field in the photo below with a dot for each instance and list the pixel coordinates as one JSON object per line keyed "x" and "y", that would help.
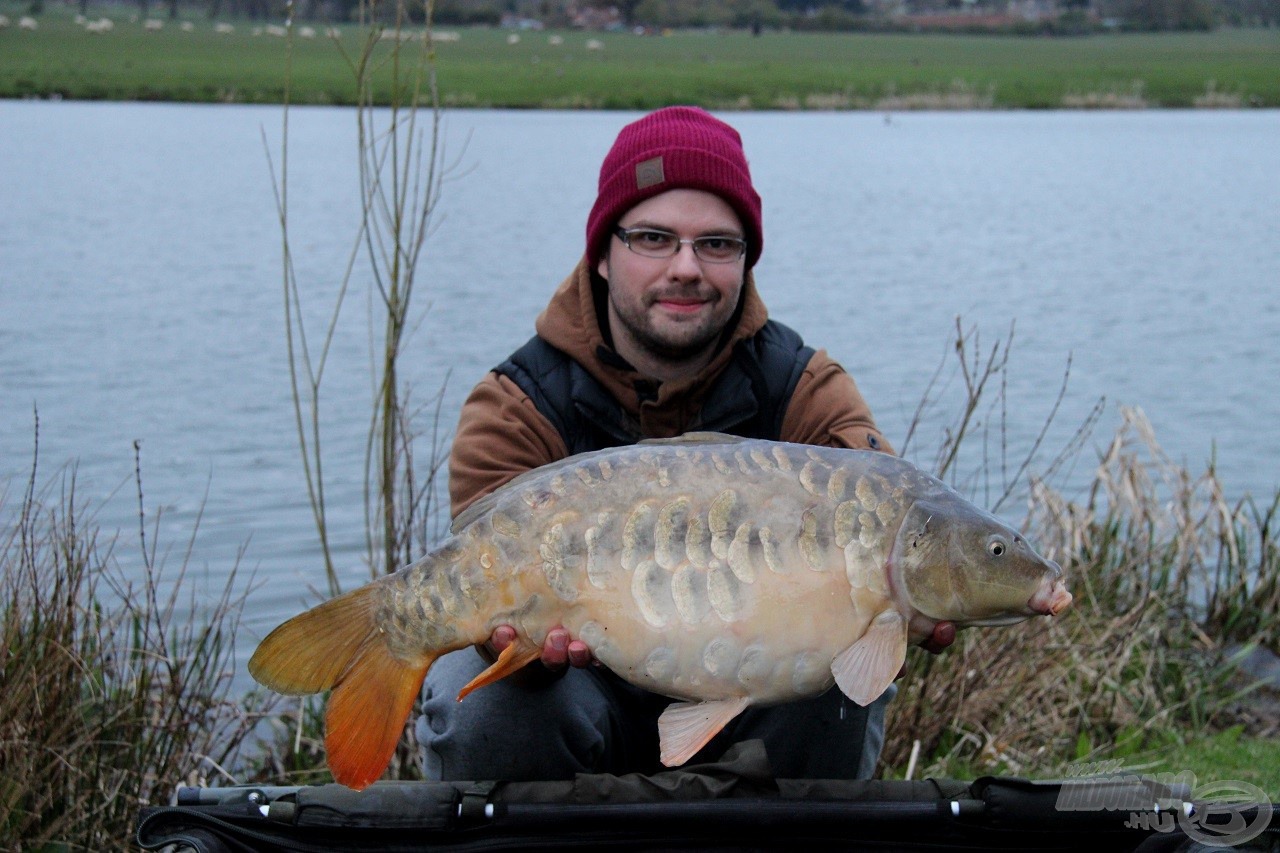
{"x": 27, "y": 23}
{"x": 153, "y": 25}
{"x": 223, "y": 29}
{"x": 102, "y": 25}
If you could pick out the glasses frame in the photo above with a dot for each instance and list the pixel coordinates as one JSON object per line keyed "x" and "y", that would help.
{"x": 625, "y": 234}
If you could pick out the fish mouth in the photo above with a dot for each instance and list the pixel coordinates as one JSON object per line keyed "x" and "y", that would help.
{"x": 1051, "y": 598}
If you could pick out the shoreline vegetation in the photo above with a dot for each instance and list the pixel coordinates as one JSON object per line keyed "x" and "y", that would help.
{"x": 110, "y": 54}
{"x": 116, "y": 686}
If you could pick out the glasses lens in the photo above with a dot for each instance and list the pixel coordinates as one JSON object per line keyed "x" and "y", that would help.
{"x": 653, "y": 244}
{"x": 719, "y": 250}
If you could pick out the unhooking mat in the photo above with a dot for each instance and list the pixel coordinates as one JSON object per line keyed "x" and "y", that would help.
{"x": 733, "y": 804}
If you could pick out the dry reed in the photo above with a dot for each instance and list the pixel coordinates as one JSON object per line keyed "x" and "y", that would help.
{"x": 1169, "y": 577}
{"x": 112, "y": 690}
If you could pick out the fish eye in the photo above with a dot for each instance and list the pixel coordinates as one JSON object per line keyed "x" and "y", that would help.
{"x": 996, "y": 547}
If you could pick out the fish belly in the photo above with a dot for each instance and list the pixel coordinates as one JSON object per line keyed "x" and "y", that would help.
{"x": 699, "y": 574}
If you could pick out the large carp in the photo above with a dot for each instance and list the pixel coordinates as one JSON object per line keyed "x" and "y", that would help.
{"x": 720, "y": 571}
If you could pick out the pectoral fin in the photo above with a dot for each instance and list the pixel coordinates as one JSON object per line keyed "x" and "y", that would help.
{"x": 514, "y": 657}
{"x": 869, "y": 666}
{"x": 685, "y": 727}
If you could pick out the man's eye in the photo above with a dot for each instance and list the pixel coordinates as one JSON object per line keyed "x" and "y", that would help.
{"x": 719, "y": 249}
{"x": 652, "y": 239}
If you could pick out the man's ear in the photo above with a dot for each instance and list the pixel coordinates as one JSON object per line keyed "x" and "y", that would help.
{"x": 602, "y": 266}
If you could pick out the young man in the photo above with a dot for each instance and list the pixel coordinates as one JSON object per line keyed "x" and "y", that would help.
{"x": 658, "y": 331}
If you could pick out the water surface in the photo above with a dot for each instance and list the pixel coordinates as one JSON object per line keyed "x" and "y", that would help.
{"x": 141, "y": 297}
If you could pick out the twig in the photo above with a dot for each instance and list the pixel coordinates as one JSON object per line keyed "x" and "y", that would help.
{"x": 142, "y": 514}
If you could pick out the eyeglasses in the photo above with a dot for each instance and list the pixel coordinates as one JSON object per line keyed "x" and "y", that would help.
{"x": 652, "y": 243}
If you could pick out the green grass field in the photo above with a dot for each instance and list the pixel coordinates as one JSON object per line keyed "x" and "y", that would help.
{"x": 730, "y": 70}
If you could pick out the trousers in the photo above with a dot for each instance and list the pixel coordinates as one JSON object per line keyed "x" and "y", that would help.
{"x": 591, "y": 721}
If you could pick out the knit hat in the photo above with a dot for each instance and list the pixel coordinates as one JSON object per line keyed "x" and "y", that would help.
{"x": 674, "y": 148}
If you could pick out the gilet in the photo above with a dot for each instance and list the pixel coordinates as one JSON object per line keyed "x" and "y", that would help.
{"x": 749, "y": 398}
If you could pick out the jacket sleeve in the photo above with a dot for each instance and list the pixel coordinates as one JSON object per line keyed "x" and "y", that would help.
{"x": 500, "y": 435}
{"x": 827, "y": 409}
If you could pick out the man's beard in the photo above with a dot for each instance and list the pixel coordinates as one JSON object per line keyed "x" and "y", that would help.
{"x": 690, "y": 343}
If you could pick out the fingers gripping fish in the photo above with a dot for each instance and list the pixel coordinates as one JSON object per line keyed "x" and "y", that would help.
{"x": 720, "y": 571}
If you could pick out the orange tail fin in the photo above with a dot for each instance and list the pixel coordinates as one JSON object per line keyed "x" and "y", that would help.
{"x": 338, "y": 645}
{"x": 368, "y": 710}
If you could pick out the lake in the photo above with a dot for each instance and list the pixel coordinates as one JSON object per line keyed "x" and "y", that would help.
{"x": 141, "y": 296}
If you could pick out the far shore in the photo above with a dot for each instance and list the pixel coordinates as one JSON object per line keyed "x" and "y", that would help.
{"x": 242, "y": 61}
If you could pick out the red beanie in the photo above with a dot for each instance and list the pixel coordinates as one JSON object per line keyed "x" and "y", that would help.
{"x": 674, "y": 148}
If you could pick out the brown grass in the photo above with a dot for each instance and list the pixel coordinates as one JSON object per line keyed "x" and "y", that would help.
{"x": 112, "y": 691}
{"x": 1168, "y": 577}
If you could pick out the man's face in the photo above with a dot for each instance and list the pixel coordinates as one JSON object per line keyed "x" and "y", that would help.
{"x": 675, "y": 308}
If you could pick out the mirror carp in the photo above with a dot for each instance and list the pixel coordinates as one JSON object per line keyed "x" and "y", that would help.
{"x": 720, "y": 571}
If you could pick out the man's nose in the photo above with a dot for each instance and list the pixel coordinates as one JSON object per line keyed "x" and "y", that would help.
{"x": 684, "y": 263}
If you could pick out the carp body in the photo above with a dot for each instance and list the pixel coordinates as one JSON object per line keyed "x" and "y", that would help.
{"x": 720, "y": 571}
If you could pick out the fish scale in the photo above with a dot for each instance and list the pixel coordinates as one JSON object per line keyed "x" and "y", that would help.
{"x": 722, "y": 572}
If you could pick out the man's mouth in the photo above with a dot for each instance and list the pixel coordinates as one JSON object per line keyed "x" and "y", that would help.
{"x": 680, "y": 304}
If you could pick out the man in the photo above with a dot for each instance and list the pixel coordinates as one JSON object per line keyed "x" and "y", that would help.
{"x": 658, "y": 331}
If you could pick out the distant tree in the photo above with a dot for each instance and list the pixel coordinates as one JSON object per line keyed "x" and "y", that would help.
{"x": 627, "y": 8}
{"x": 1160, "y": 15}
{"x": 1250, "y": 13}
{"x": 756, "y": 15}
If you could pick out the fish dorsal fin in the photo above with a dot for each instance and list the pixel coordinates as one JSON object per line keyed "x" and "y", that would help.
{"x": 869, "y": 666}
{"x": 685, "y": 727}
{"x": 478, "y": 508}
{"x": 697, "y": 438}
{"x": 485, "y": 504}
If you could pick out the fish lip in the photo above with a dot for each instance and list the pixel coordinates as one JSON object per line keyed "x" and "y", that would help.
{"x": 1051, "y": 598}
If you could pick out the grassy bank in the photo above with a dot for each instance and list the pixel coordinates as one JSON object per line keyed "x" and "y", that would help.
{"x": 731, "y": 70}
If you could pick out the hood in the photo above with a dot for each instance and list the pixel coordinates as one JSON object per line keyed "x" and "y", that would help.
{"x": 571, "y": 324}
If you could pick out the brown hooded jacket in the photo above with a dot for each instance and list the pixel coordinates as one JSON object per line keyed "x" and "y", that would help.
{"x": 502, "y": 434}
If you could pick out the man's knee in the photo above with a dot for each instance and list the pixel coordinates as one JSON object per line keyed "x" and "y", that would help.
{"x": 509, "y": 732}
{"x": 824, "y": 737}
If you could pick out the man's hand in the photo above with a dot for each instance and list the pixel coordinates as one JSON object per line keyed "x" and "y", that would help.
{"x": 558, "y": 649}
{"x": 944, "y": 634}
